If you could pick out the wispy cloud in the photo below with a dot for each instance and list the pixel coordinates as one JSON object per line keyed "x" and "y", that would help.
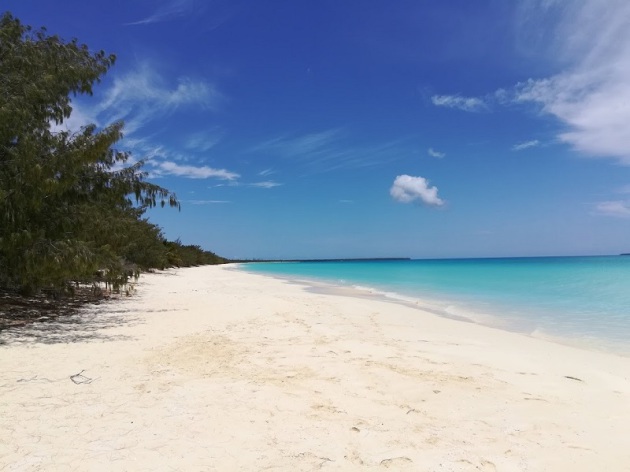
{"x": 590, "y": 40}
{"x": 266, "y": 172}
{"x": 525, "y": 145}
{"x": 591, "y": 96}
{"x": 471, "y": 104}
{"x": 617, "y": 209}
{"x": 142, "y": 96}
{"x": 299, "y": 146}
{"x": 328, "y": 150}
{"x": 234, "y": 183}
{"x": 203, "y": 141}
{"x": 408, "y": 189}
{"x": 266, "y": 184}
{"x": 437, "y": 154}
{"x": 161, "y": 168}
{"x": 164, "y": 161}
{"x": 207, "y": 202}
{"x": 169, "y": 10}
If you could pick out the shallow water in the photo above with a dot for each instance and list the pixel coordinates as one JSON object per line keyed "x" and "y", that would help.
{"x": 585, "y": 300}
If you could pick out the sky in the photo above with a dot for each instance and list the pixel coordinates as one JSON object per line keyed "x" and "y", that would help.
{"x": 369, "y": 128}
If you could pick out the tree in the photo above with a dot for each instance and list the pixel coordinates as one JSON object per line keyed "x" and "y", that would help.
{"x": 65, "y": 211}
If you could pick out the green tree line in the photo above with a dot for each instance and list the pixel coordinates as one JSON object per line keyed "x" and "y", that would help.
{"x": 71, "y": 210}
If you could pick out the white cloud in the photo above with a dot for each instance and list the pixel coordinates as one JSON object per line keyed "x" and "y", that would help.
{"x": 264, "y": 173}
{"x": 433, "y": 153}
{"x": 191, "y": 172}
{"x": 525, "y": 145}
{"x": 407, "y": 189}
{"x": 266, "y": 184}
{"x": 591, "y": 97}
{"x": 142, "y": 96}
{"x": 161, "y": 158}
{"x": 234, "y": 183}
{"x": 618, "y": 209}
{"x": 79, "y": 118}
{"x": 191, "y": 91}
{"x": 459, "y": 102}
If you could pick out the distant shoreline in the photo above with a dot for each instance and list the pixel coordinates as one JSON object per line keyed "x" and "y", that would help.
{"x": 358, "y": 259}
{"x": 386, "y": 259}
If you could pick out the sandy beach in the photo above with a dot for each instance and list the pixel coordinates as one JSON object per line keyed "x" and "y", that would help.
{"x": 211, "y": 368}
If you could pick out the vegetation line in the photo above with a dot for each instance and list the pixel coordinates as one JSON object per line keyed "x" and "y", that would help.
{"x": 72, "y": 211}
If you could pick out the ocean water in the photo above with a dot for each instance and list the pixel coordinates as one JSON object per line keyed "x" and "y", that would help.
{"x": 579, "y": 300}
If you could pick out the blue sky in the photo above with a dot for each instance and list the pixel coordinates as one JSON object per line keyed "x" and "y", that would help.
{"x": 320, "y": 128}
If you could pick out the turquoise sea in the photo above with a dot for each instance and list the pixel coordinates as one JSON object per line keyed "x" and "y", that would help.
{"x": 579, "y": 300}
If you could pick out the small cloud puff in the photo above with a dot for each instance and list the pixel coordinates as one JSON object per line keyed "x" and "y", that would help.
{"x": 433, "y": 153}
{"x": 407, "y": 189}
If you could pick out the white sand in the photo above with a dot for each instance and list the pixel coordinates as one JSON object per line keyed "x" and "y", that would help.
{"x": 216, "y": 369}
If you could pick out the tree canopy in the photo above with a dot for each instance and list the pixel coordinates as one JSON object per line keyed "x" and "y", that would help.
{"x": 71, "y": 209}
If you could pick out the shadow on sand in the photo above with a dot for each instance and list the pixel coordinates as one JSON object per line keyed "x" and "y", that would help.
{"x": 26, "y": 321}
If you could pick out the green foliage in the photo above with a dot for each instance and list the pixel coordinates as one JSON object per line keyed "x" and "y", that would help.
{"x": 180, "y": 255}
{"x": 70, "y": 210}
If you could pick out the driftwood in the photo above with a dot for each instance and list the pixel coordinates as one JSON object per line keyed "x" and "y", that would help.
{"x": 80, "y": 378}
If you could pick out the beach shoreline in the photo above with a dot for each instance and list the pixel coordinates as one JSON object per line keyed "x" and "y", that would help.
{"x": 212, "y": 368}
{"x": 437, "y": 307}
